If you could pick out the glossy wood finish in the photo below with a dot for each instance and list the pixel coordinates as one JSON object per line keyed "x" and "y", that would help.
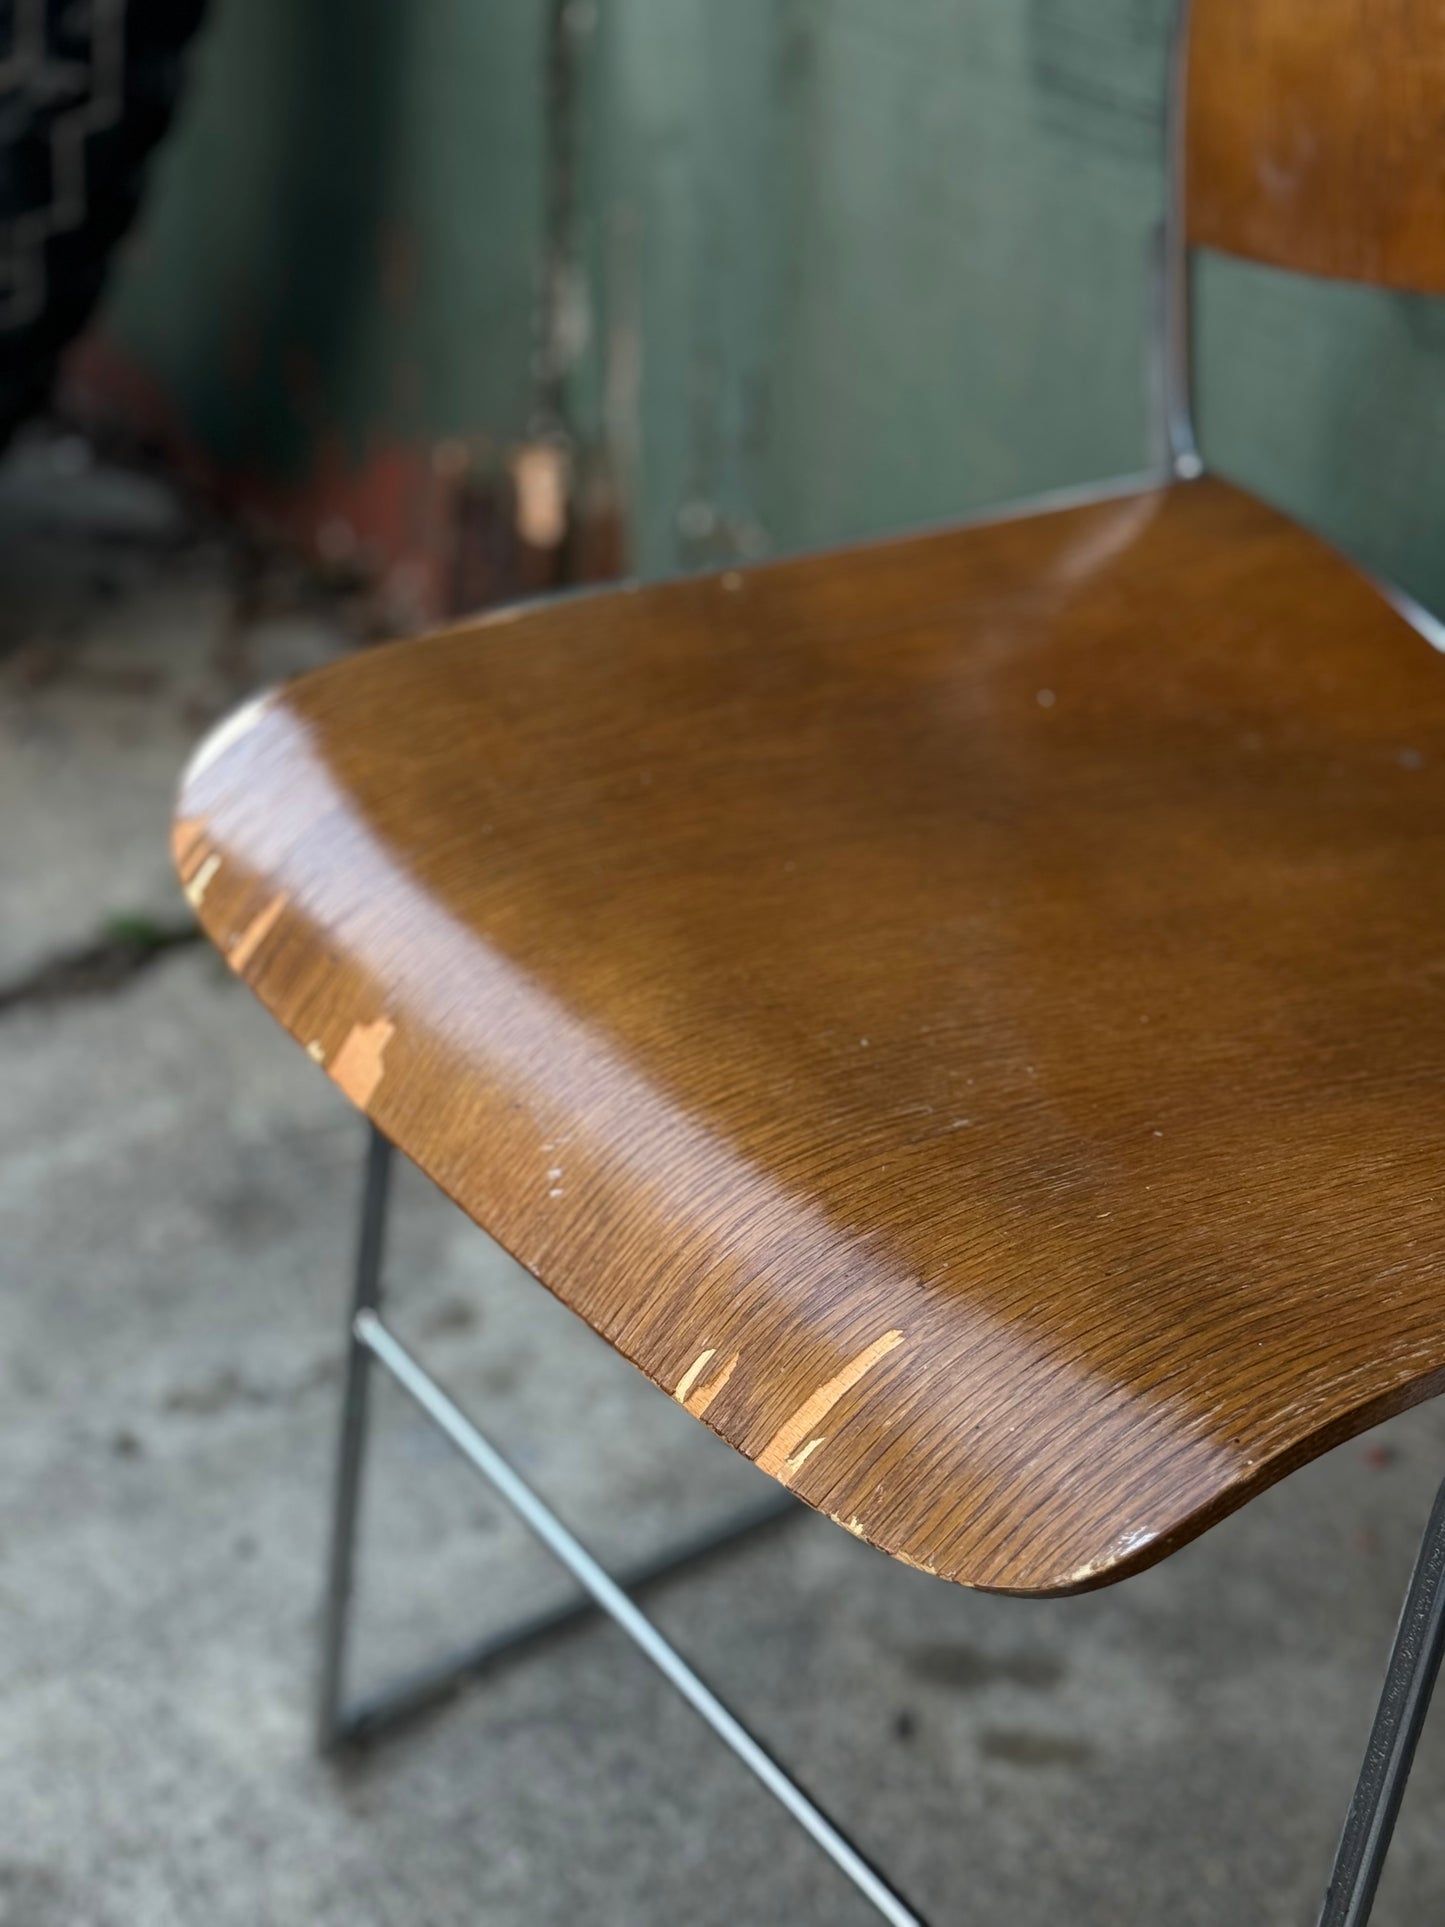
{"x": 1316, "y": 136}
{"x": 966, "y": 1016}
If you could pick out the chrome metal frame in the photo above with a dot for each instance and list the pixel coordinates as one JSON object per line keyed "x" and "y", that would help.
{"x": 343, "y": 1723}
{"x": 1175, "y": 333}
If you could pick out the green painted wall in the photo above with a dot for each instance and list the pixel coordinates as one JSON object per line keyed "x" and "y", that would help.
{"x": 877, "y": 261}
{"x": 342, "y": 237}
{"x": 1330, "y": 400}
{"x": 803, "y": 269}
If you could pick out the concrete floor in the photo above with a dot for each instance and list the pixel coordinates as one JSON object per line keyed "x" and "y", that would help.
{"x": 177, "y": 1186}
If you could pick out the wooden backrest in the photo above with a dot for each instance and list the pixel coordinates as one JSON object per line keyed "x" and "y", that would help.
{"x": 1315, "y": 137}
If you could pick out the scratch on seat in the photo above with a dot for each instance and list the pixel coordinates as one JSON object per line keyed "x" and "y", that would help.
{"x": 255, "y": 933}
{"x": 704, "y": 1397}
{"x": 201, "y": 881}
{"x": 776, "y": 1457}
{"x": 692, "y": 1374}
{"x": 186, "y": 833}
{"x": 357, "y": 1066}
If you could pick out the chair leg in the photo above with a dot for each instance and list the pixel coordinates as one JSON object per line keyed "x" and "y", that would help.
{"x": 1404, "y": 1702}
{"x": 612, "y": 1599}
{"x": 342, "y": 1723}
{"x": 351, "y": 1451}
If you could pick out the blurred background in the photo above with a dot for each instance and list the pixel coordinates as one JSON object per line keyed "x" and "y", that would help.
{"x": 428, "y": 307}
{"x": 764, "y": 276}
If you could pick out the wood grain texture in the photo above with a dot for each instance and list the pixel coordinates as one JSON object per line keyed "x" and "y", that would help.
{"x": 967, "y": 1015}
{"x": 1316, "y": 136}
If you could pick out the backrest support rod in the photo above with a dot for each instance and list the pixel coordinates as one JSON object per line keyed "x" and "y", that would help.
{"x": 1175, "y": 305}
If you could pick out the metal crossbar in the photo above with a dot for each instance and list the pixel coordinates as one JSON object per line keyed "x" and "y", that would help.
{"x": 539, "y": 1519}
{"x": 340, "y": 1723}
{"x": 368, "y": 1715}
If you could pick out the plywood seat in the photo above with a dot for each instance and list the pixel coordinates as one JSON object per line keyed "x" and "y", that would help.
{"x": 965, "y": 1016}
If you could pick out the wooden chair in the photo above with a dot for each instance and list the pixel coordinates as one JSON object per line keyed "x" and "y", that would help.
{"x": 963, "y": 1014}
